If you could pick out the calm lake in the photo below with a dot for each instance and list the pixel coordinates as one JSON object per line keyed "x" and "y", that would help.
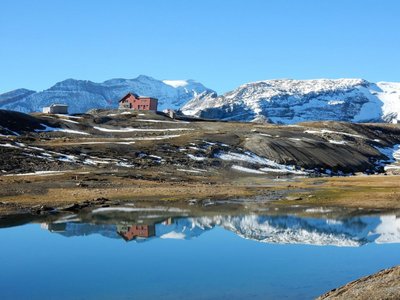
{"x": 175, "y": 253}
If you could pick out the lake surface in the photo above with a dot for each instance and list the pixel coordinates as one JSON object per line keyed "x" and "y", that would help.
{"x": 173, "y": 253}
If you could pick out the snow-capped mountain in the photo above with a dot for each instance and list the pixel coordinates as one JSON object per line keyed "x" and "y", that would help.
{"x": 347, "y": 232}
{"x": 280, "y": 101}
{"x": 286, "y": 229}
{"x": 291, "y": 101}
{"x": 83, "y": 95}
{"x": 14, "y": 96}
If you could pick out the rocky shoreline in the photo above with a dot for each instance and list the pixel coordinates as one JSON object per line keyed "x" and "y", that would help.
{"x": 381, "y": 285}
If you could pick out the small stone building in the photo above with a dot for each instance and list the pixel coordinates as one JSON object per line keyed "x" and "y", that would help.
{"x": 135, "y": 102}
{"x": 170, "y": 113}
{"x": 56, "y": 109}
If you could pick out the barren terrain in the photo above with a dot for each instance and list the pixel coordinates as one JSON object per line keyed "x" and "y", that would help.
{"x": 58, "y": 160}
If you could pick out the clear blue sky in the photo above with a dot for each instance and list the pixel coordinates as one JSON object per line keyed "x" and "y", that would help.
{"x": 220, "y": 43}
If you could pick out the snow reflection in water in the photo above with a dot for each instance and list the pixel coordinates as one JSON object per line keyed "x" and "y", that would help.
{"x": 193, "y": 253}
{"x": 280, "y": 229}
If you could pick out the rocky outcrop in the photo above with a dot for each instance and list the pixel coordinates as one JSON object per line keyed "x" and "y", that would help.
{"x": 12, "y": 122}
{"x": 44, "y": 142}
{"x": 382, "y": 285}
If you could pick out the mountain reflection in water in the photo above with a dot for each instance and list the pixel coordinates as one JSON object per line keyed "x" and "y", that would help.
{"x": 193, "y": 252}
{"x": 281, "y": 229}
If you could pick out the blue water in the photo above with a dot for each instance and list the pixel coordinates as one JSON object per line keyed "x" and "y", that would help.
{"x": 218, "y": 264}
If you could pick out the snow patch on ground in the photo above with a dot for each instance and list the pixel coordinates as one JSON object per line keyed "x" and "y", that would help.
{"x": 247, "y": 157}
{"x": 70, "y": 121}
{"x": 82, "y": 159}
{"x": 393, "y": 155}
{"x": 74, "y": 131}
{"x": 68, "y": 116}
{"x": 188, "y": 170}
{"x": 247, "y": 170}
{"x": 338, "y": 142}
{"x": 129, "y": 129}
{"x": 8, "y": 145}
{"x": 198, "y": 158}
{"x": 125, "y": 164}
{"x": 54, "y": 129}
{"x": 324, "y": 131}
{"x": 285, "y": 169}
{"x": 251, "y": 158}
{"x": 38, "y": 173}
{"x": 162, "y": 121}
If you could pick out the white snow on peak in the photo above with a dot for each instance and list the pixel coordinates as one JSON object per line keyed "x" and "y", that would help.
{"x": 176, "y": 83}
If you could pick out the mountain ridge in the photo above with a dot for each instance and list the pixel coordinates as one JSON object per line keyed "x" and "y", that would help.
{"x": 290, "y": 101}
{"x": 280, "y": 229}
{"x": 83, "y": 95}
{"x": 282, "y": 101}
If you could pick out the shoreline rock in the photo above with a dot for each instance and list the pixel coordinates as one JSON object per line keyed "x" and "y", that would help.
{"x": 382, "y": 285}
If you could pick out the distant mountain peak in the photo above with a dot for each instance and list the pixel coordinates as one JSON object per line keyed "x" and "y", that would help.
{"x": 145, "y": 77}
{"x": 14, "y": 95}
{"x": 83, "y": 95}
{"x": 290, "y": 101}
{"x": 284, "y": 101}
